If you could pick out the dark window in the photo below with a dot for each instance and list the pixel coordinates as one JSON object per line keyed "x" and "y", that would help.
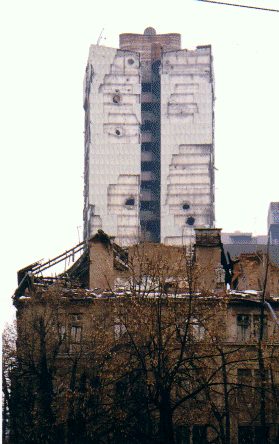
{"x": 257, "y": 327}
{"x": 252, "y": 434}
{"x": 147, "y": 126}
{"x": 199, "y": 435}
{"x": 243, "y": 327}
{"x": 244, "y": 381}
{"x": 146, "y": 87}
{"x": 182, "y": 435}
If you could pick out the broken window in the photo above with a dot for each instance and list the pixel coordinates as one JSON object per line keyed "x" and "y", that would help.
{"x": 243, "y": 327}
{"x": 257, "y": 327}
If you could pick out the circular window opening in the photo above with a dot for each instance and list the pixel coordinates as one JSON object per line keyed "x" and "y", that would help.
{"x": 131, "y": 61}
{"x": 185, "y": 206}
{"x": 116, "y": 98}
{"x": 117, "y": 132}
{"x": 130, "y": 202}
{"x": 190, "y": 221}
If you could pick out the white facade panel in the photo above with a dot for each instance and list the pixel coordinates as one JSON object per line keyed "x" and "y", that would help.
{"x": 186, "y": 145}
{"x": 113, "y": 107}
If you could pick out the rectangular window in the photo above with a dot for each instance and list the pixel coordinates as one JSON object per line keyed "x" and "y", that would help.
{"x": 119, "y": 329}
{"x": 244, "y": 381}
{"x": 76, "y": 317}
{"x": 199, "y": 434}
{"x": 248, "y": 327}
{"x": 198, "y": 330}
{"x": 182, "y": 435}
{"x": 62, "y": 331}
{"x": 252, "y": 434}
{"x": 146, "y": 87}
{"x": 243, "y": 327}
{"x": 75, "y": 332}
{"x": 257, "y": 327}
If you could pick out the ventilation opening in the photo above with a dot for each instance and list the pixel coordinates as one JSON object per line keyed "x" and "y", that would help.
{"x": 190, "y": 221}
{"x": 185, "y": 206}
{"x": 131, "y": 61}
{"x": 130, "y": 202}
{"x": 116, "y": 98}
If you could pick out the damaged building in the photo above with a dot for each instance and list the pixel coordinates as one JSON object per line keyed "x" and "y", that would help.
{"x": 152, "y": 343}
{"x": 149, "y": 140}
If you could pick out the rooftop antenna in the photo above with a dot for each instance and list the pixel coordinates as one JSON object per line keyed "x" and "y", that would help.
{"x": 100, "y": 37}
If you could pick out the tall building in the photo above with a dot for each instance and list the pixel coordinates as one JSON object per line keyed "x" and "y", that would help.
{"x": 149, "y": 139}
{"x": 273, "y": 223}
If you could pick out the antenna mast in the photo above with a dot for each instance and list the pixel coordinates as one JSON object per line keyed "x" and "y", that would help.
{"x": 100, "y": 37}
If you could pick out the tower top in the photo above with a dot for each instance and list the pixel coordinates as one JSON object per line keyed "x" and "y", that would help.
{"x": 149, "y": 31}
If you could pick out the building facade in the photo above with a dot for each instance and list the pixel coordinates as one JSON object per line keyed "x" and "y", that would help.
{"x": 149, "y": 140}
{"x": 147, "y": 345}
{"x": 273, "y": 223}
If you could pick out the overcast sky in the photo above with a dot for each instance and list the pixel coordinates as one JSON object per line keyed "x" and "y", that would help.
{"x": 44, "y": 53}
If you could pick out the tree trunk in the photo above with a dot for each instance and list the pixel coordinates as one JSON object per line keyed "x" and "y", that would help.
{"x": 166, "y": 431}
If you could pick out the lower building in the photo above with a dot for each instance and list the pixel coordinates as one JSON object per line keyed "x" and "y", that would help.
{"x": 146, "y": 345}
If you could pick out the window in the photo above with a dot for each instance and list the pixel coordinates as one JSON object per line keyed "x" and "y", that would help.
{"x": 182, "y": 435}
{"x": 199, "y": 434}
{"x": 248, "y": 327}
{"x": 119, "y": 329}
{"x": 198, "y": 330}
{"x": 146, "y": 87}
{"x": 244, "y": 381}
{"x": 252, "y": 434}
{"x": 257, "y": 327}
{"x": 75, "y": 332}
{"x": 243, "y": 327}
{"x": 62, "y": 331}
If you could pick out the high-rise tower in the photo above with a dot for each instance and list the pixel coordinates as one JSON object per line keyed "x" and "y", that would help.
{"x": 149, "y": 145}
